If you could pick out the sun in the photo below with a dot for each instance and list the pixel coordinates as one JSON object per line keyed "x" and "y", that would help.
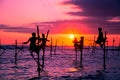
{"x": 71, "y": 36}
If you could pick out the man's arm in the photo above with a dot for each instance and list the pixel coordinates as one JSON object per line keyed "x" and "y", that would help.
{"x": 26, "y": 41}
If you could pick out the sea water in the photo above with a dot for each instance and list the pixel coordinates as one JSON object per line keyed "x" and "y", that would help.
{"x": 63, "y": 65}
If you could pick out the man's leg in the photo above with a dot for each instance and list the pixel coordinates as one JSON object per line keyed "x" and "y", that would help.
{"x": 101, "y": 45}
{"x": 33, "y": 56}
{"x": 43, "y": 56}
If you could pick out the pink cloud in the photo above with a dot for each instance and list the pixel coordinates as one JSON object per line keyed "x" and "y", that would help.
{"x": 114, "y": 19}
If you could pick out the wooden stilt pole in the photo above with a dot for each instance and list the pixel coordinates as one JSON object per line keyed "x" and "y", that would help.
{"x": 106, "y": 49}
{"x": 104, "y": 53}
{"x": 51, "y": 48}
{"x": 1, "y": 52}
{"x": 119, "y": 49}
{"x": 113, "y": 45}
{"x": 62, "y": 46}
{"x": 55, "y": 47}
{"x": 38, "y": 63}
{"x": 76, "y": 54}
{"x": 94, "y": 46}
{"x": 0, "y": 45}
{"x": 2, "y": 49}
{"x": 81, "y": 59}
{"x": 15, "y": 52}
{"x": 81, "y": 51}
{"x": 43, "y": 57}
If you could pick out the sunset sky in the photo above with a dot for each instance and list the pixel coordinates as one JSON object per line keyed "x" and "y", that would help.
{"x": 18, "y": 19}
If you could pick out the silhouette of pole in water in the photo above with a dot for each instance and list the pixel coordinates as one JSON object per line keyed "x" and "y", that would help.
{"x": 38, "y": 63}
{"x": 55, "y": 47}
{"x": 104, "y": 53}
{"x": 93, "y": 47}
{"x": 44, "y": 46}
{"x": 101, "y": 41}
{"x": 75, "y": 41}
{"x": 81, "y": 50}
{"x": 62, "y": 46}
{"x": 0, "y": 47}
{"x": 51, "y": 48}
{"x": 1, "y": 52}
{"x": 118, "y": 48}
{"x": 15, "y": 52}
{"x": 113, "y": 45}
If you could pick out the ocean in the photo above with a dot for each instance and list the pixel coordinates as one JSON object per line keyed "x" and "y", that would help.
{"x": 63, "y": 65}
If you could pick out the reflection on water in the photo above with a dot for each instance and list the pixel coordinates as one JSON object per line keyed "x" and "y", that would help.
{"x": 62, "y": 64}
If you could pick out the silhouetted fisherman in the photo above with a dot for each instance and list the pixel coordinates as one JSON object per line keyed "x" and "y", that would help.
{"x": 75, "y": 41}
{"x": 43, "y": 42}
{"x": 42, "y": 46}
{"x": 81, "y": 44}
{"x": 33, "y": 47}
{"x": 80, "y": 47}
{"x": 100, "y": 38}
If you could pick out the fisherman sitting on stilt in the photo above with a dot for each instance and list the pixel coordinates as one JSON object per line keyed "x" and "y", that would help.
{"x": 81, "y": 44}
{"x": 100, "y": 39}
{"x": 75, "y": 41}
{"x": 33, "y": 45}
{"x": 42, "y": 46}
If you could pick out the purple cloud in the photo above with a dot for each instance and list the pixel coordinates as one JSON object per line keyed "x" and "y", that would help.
{"x": 100, "y": 13}
{"x": 96, "y": 8}
{"x": 22, "y": 29}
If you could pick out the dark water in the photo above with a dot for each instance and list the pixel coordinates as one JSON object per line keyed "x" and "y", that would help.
{"x": 62, "y": 66}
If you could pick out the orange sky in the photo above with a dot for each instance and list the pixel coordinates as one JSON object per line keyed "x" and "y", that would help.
{"x": 62, "y": 39}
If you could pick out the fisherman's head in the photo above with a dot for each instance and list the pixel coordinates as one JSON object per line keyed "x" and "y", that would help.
{"x": 43, "y": 35}
{"x": 82, "y": 37}
{"x": 75, "y": 38}
{"x": 33, "y": 34}
{"x": 100, "y": 29}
